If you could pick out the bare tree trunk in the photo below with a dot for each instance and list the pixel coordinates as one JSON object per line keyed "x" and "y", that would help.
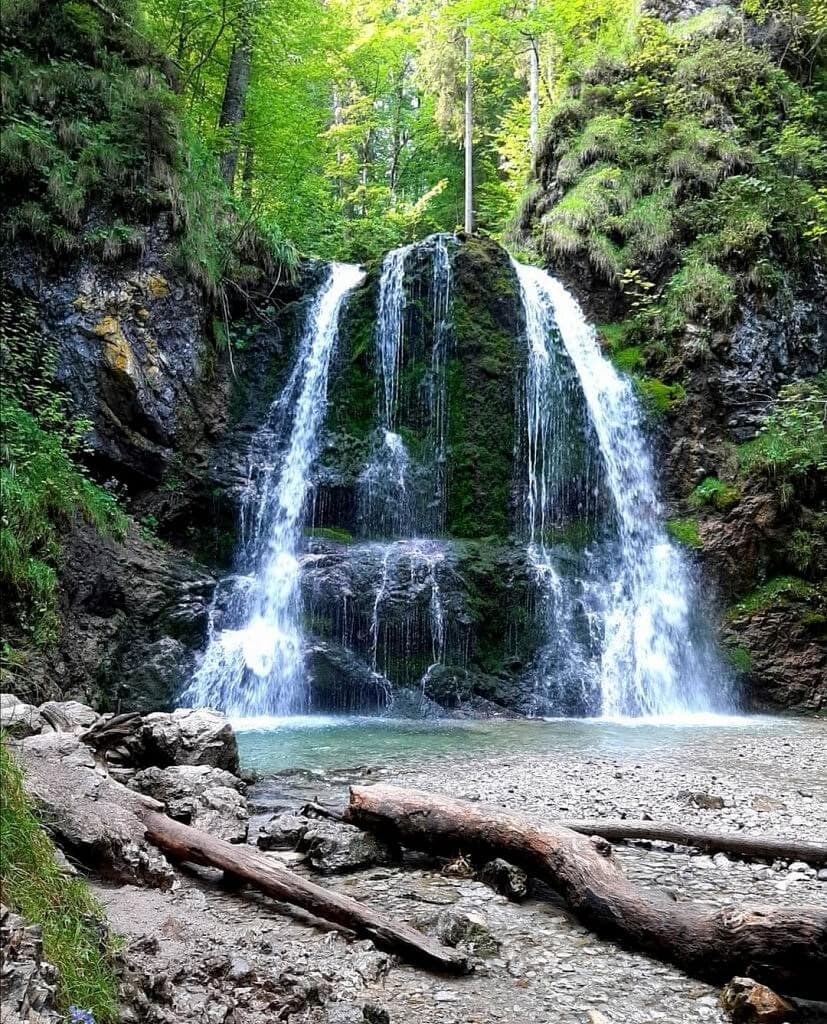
{"x": 247, "y": 173}
{"x": 235, "y": 93}
{"x": 763, "y": 847}
{"x": 785, "y": 947}
{"x": 534, "y": 91}
{"x": 469, "y": 135}
{"x": 534, "y": 98}
{"x": 190, "y": 844}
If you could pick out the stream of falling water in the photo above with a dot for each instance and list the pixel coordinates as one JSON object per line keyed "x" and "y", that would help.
{"x": 254, "y": 662}
{"x": 626, "y": 630}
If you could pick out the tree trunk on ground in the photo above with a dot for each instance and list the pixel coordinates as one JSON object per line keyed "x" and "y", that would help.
{"x": 762, "y": 847}
{"x": 189, "y": 844}
{"x": 785, "y": 947}
{"x": 235, "y": 93}
{"x": 469, "y": 135}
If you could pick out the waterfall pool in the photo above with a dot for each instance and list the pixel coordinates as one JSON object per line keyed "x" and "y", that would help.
{"x": 270, "y": 745}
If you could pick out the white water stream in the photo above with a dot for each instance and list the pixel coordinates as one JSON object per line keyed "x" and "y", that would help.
{"x": 257, "y": 667}
{"x": 629, "y": 626}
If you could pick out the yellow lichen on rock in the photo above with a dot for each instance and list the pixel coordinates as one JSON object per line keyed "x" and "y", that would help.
{"x": 157, "y": 286}
{"x": 116, "y": 348}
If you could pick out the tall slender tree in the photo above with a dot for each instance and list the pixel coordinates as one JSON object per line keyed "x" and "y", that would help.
{"x": 469, "y": 133}
{"x": 235, "y": 91}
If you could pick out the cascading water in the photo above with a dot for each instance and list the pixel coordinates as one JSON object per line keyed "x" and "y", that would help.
{"x": 254, "y": 662}
{"x": 401, "y": 497}
{"x": 625, "y": 629}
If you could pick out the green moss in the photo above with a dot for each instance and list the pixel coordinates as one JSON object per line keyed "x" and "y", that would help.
{"x": 685, "y": 531}
{"x": 330, "y": 533}
{"x": 659, "y": 398}
{"x": 777, "y": 589}
{"x": 33, "y": 884}
{"x": 629, "y": 359}
{"x": 481, "y": 379}
{"x": 613, "y": 335}
{"x": 740, "y": 659}
{"x": 715, "y": 492}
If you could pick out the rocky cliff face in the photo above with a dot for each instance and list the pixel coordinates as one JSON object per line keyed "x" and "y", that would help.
{"x": 171, "y": 398}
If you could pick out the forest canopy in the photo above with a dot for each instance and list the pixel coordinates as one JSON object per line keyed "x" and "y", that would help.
{"x": 332, "y": 124}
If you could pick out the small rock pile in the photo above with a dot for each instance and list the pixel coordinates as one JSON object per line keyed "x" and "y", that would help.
{"x": 27, "y": 981}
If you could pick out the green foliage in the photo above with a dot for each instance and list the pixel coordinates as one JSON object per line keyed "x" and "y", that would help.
{"x": 689, "y": 169}
{"x": 331, "y": 533}
{"x": 779, "y": 588}
{"x": 33, "y": 884}
{"x": 43, "y": 483}
{"x": 658, "y": 397}
{"x": 793, "y": 440}
{"x": 43, "y": 490}
{"x": 685, "y": 531}
{"x": 715, "y": 492}
{"x": 740, "y": 659}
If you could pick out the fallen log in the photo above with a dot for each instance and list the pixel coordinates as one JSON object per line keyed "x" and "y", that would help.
{"x": 760, "y": 847}
{"x": 184, "y": 843}
{"x": 785, "y": 947}
{"x": 120, "y": 832}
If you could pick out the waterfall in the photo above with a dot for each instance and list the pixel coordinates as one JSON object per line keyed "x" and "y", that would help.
{"x": 400, "y": 496}
{"x": 254, "y": 662}
{"x": 624, "y": 629}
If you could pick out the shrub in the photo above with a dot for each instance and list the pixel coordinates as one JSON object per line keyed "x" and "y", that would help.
{"x": 779, "y": 588}
{"x": 713, "y": 491}
{"x": 793, "y": 439}
{"x": 35, "y": 886}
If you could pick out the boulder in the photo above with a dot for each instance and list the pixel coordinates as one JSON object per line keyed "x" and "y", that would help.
{"x": 283, "y": 832}
{"x": 89, "y": 813}
{"x": 750, "y": 1003}
{"x": 506, "y": 879}
{"x": 67, "y": 716}
{"x": 463, "y": 928}
{"x": 189, "y": 736}
{"x": 18, "y": 719}
{"x": 199, "y": 795}
{"x": 334, "y": 848}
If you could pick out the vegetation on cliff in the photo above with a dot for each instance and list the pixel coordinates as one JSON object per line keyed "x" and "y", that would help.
{"x": 34, "y": 884}
{"x": 686, "y": 169}
{"x": 43, "y": 481}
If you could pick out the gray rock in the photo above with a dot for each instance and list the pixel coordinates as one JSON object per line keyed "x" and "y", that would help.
{"x": 706, "y": 801}
{"x": 334, "y": 848}
{"x": 67, "y": 716}
{"x": 199, "y": 795}
{"x": 28, "y": 983}
{"x": 466, "y": 929}
{"x": 506, "y": 879}
{"x": 89, "y": 813}
{"x": 283, "y": 832}
{"x": 189, "y": 736}
{"x": 18, "y": 719}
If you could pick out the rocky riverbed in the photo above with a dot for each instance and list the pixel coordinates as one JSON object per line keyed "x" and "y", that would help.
{"x": 205, "y": 952}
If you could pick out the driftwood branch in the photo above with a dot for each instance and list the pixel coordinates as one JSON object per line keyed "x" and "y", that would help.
{"x": 761, "y": 847}
{"x": 785, "y": 947}
{"x": 190, "y": 844}
{"x": 119, "y": 832}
